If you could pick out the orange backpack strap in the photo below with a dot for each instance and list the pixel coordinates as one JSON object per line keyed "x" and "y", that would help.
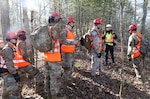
{"x": 50, "y": 32}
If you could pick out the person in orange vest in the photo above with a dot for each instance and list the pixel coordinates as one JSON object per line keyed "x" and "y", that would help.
{"x": 9, "y": 65}
{"x": 109, "y": 37}
{"x": 133, "y": 52}
{"x": 53, "y": 68}
{"x": 68, "y": 42}
{"x": 26, "y": 70}
{"x": 96, "y": 47}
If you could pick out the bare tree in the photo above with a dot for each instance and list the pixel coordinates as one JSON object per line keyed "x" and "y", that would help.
{"x": 135, "y": 12}
{"x": 5, "y": 21}
{"x": 122, "y": 51}
{"x": 145, "y": 4}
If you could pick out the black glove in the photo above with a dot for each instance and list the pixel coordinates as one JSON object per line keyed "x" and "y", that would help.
{"x": 17, "y": 77}
{"x": 99, "y": 55}
{"x": 129, "y": 58}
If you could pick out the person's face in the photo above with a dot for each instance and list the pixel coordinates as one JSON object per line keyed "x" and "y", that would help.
{"x": 14, "y": 41}
{"x": 71, "y": 24}
{"x": 108, "y": 28}
{"x": 98, "y": 26}
{"x": 130, "y": 31}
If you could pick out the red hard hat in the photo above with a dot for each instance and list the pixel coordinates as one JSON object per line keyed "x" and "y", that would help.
{"x": 55, "y": 15}
{"x": 19, "y": 32}
{"x": 70, "y": 19}
{"x": 11, "y": 35}
{"x": 132, "y": 27}
{"x": 97, "y": 20}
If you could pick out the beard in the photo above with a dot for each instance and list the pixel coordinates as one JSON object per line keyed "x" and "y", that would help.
{"x": 22, "y": 37}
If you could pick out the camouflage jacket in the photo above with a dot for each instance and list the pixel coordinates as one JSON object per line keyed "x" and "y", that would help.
{"x": 8, "y": 55}
{"x": 23, "y": 49}
{"x": 63, "y": 39}
{"x": 131, "y": 43}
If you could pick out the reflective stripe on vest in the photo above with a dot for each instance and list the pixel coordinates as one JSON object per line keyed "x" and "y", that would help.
{"x": 19, "y": 57}
{"x": 109, "y": 39}
{"x": 3, "y": 65}
{"x": 53, "y": 55}
{"x": 68, "y": 48}
{"x": 136, "y": 48}
{"x": 99, "y": 42}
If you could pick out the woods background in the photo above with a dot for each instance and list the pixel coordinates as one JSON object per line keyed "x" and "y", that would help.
{"x": 28, "y": 14}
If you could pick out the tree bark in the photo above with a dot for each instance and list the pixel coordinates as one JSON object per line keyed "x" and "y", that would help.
{"x": 5, "y": 21}
{"x": 145, "y": 4}
{"x": 27, "y": 29}
{"x": 122, "y": 51}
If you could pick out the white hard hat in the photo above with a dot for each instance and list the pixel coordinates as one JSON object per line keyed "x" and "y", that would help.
{"x": 108, "y": 25}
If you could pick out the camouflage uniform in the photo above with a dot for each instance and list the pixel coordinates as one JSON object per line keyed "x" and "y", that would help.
{"x": 53, "y": 82}
{"x": 67, "y": 58}
{"x": 10, "y": 86}
{"x": 137, "y": 62}
{"x": 95, "y": 61}
{"x": 29, "y": 72}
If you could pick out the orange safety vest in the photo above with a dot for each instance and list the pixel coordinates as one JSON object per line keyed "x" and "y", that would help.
{"x": 99, "y": 41}
{"x": 53, "y": 56}
{"x": 21, "y": 61}
{"x": 15, "y": 61}
{"x": 1, "y": 42}
{"x": 68, "y": 48}
{"x": 136, "y": 49}
{"x": 109, "y": 39}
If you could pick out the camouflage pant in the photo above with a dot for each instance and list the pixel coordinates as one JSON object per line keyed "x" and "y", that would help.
{"x": 68, "y": 65}
{"x": 27, "y": 74}
{"x": 95, "y": 62}
{"x": 10, "y": 87}
{"x": 53, "y": 73}
{"x": 138, "y": 67}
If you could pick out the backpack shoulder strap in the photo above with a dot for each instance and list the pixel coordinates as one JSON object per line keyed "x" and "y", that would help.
{"x": 50, "y": 33}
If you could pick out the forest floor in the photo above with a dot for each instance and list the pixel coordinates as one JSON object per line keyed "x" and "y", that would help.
{"x": 107, "y": 84}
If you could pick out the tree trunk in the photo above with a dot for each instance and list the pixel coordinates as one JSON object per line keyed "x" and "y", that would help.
{"x": 27, "y": 29}
{"x": 145, "y": 4}
{"x": 5, "y": 21}
{"x": 122, "y": 52}
{"x": 135, "y": 13}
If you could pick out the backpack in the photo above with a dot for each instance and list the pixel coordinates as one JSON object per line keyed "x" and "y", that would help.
{"x": 40, "y": 39}
{"x": 86, "y": 41}
{"x": 145, "y": 46}
{"x": 43, "y": 38}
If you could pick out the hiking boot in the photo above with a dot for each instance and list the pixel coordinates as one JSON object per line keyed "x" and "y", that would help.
{"x": 69, "y": 83}
{"x": 138, "y": 76}
{"x": 113, "y": 64}
{"x": 105, "y": 64}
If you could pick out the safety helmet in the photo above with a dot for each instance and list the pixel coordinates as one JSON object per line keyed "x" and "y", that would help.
{"x": 70, "y": 19}
{"x": 10, "y": 35}
{"x": 97, "y": 21}
{"x": 108, "y": 26}
{"x": 132, "y": 27}
{"x": 54, "y": 17}
{"x": 20, "y": 32}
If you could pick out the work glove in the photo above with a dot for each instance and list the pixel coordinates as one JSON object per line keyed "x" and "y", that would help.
{"x": 17, "y": 77}
{"x": 129, "y": 58}
{"x": 99, "y": 55}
